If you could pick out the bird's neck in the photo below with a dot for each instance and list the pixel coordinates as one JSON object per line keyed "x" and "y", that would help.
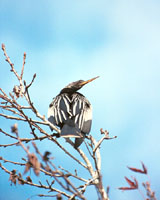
{"x": 68, "y": 91}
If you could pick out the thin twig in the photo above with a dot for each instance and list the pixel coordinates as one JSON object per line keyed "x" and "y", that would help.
{"x": 36, "y": 185}
{"x": 10, "y": 63}
{"x": 105, "y": 137}
{"x": 27, "y": 86}
{"x": 75, "y": 176}
{"x": 9, "y": 161}
{"x": 24, "y": 61}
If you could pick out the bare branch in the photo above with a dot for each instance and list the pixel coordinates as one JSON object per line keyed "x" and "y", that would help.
{"x": 105, "y": 137}
{"x": 24, "y": 61}
{"x": 51, "y": 189}
{"x": 27, "y": 86}
{"x": 75, "y": 176}
{"x": 13, "y": 110}
{"x": 10, "y": 63}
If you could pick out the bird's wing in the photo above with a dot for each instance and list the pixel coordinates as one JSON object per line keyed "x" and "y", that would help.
{"x": 82, "y": 112}
{"x": 63, "y": 110}
{"x": 59, "y": 110}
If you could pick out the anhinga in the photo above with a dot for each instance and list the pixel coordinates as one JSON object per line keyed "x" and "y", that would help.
{"x": 72, "y": 112}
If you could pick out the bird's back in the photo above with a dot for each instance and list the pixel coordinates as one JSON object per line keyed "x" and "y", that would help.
{"x": 71, "y": 112}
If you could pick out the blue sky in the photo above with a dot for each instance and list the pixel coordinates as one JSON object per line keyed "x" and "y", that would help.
{"x": 68, "y": 40}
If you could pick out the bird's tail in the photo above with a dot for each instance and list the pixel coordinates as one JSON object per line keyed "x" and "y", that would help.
{"x": 78, "y": 141}
{"x": 74, "y": 132}
{"x": 70, "y": 131}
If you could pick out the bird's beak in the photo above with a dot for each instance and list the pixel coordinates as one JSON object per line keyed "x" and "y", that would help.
{"x": 88, "y": 81}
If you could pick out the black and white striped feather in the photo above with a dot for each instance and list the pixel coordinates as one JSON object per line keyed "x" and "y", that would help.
{"x": 71, "y": 110}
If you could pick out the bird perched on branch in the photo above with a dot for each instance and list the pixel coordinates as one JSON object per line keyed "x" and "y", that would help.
{"x": 72, "y": 112}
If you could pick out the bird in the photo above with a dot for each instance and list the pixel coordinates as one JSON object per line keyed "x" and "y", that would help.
{"x": 72, "y": 112}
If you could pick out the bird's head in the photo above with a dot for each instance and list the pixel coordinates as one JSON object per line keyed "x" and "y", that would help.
{"x": 74, "y": 86}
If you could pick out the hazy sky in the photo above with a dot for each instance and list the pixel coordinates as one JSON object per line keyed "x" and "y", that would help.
{"x": 70, "y": 40}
